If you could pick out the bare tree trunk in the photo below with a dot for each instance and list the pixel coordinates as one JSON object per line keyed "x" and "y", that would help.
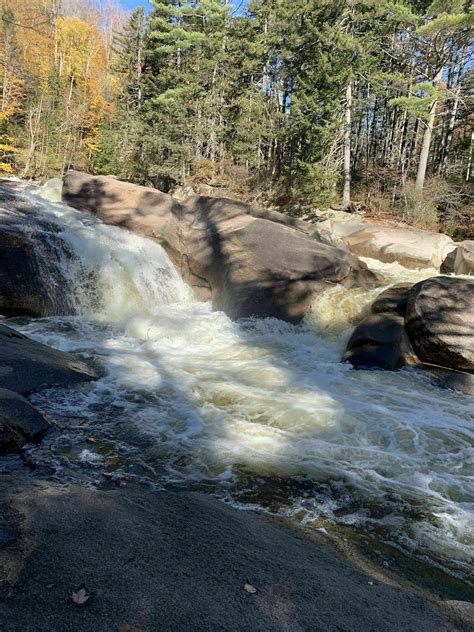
{"x": 425, "y": 147}
{"x": 469, "y": 162}
{"x": 346, "y": 194}
{"x": 446, "y": 142}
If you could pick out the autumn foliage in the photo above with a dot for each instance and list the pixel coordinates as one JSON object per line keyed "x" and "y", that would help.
{"x": 57, "y": 86}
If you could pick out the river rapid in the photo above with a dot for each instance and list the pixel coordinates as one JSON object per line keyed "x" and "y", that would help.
{"x": 259, "y": 412}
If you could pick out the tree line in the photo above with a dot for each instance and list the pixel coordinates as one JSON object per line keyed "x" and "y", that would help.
{"x": 298, "y": 104}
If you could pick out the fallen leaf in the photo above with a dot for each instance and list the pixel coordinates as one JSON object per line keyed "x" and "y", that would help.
{"x": 80, "y": 597}
{"x": 250, "y": 589}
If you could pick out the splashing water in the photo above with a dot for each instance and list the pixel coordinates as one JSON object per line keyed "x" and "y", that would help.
{"x": 258, "y": 411}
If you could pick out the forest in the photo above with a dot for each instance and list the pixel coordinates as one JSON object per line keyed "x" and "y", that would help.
{"x": 364, "y": 104}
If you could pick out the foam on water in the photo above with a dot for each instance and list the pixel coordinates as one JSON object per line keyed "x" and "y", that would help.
{"x": 256, "y": 405}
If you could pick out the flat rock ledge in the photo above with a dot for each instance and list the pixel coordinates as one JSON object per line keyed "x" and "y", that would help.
{"x": 166, "y": 561}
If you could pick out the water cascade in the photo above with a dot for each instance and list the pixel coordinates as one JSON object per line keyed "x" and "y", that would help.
{"x": 262, "y": 413}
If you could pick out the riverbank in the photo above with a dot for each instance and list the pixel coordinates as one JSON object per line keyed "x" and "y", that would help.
{"x": 179, "y": 561}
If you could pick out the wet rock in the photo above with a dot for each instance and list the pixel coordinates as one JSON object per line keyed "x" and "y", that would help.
{"x": 394, "y": 299}
{"x": 20, "y": 422}
{"x": 248, "y": 261}
{"x": 142, "y": 210}
{"x": 259, "y": 267}
{"x": 27, "y": 365}
{"x": 380, "y": 341}
{"x": 30, "y": 284}
{"x": 459, "y": 381}
{"x": 440, "y": 322}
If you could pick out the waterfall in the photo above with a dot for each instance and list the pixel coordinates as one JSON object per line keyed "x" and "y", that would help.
{"x": 260, "y": 412}
{"x": 94, "y": 270}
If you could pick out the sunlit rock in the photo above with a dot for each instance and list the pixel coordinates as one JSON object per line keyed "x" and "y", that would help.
{"x": 440, "y": 322}
{"x": 249, "y": 262}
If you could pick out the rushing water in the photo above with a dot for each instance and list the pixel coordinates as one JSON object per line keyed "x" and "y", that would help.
{"x": 260, "y": 412}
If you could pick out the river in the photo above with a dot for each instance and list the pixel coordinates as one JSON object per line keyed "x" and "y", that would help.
{"x": 261, "y": 413}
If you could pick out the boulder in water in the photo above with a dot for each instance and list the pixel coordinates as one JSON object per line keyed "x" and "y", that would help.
{"x": 440, "y": 322}
{"x": 380, "y": 341}
{"x": 394, "y": 299}
{"x": 27, "y": 365}
{"x": 249, "y": 262}
{"x": 20, "y": 422}
{"x": 459, "y": 381}
{"x": 22, "y": 292}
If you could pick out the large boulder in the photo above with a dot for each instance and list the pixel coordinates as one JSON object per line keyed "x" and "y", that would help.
{"x": 27, "y": 365}
{"x": 440, "y": 322}
{"x": 142, "y": 210}
{"x": 249, "y": 262}
{"x": 20, "y": 422}
{"x": 259, "y": 267}
{"x": 409, "y": 247}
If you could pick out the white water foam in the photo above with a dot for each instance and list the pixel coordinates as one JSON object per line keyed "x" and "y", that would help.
{"x": 262, "y": 399}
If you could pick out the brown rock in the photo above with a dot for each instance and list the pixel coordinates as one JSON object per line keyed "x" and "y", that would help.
{"x": 250, "y": 262}
{"x": 380, "y": 341}
{"x": 440, "y": 322}
{"x": 461, "y": 259}
{"x": 394, "y": 299}
{"x": 410, "y": 247}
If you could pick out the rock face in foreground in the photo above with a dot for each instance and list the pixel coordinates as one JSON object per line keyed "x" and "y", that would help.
{"x": 27, "y": 365}
{"x": 429, "y": 325}
{"x": 247, "y": 261}
{"x": 440, "y": 322}
{"x": 179, "y": 561}
{"x": 20, "y": 422}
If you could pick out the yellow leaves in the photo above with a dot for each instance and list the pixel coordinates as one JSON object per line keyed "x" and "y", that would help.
{"x": 5, "y": 167}
{"x": 81, "y": 49}
{"x": 8, "y": 148}
{"x": 91, "y": 145}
